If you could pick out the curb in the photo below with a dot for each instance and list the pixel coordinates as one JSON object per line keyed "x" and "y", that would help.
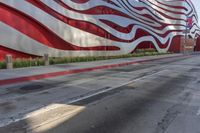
{"x": 75, "y": 71}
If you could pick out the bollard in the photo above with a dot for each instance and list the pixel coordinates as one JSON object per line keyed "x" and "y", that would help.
{"x": 46, "y": 59}
{"x": 9, "y": 62}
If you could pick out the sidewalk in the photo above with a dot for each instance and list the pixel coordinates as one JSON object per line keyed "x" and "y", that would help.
{"x": 35, "y": 73}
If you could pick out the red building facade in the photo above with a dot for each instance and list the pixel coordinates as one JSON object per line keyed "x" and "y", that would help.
{"x": 31, "y": 28}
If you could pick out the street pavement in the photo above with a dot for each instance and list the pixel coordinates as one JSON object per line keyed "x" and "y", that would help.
{"x": 160, "y": 96}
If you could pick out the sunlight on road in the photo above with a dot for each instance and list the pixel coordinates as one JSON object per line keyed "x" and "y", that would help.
{"x": 51, "y": 116}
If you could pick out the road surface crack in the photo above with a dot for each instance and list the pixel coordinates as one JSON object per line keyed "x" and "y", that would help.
{"x": 172, "y": 113}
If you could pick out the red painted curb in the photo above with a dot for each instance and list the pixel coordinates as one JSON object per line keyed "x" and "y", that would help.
{"x": 67, "y": 72}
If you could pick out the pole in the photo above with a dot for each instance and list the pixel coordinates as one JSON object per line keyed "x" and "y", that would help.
{"x": 106, "y": 36}
{"x": 9, "y": 62}
{"x": 185, "y": 34}
{"x": 186, "y": 23}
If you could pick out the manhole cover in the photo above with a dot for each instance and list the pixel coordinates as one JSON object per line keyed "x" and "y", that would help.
{"x": 30, "y": 88}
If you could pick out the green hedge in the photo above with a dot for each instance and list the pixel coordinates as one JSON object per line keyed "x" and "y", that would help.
{"x": 145, "y": 50}
{"x": 2, "y": 65}
{"x": 19, "y": 63}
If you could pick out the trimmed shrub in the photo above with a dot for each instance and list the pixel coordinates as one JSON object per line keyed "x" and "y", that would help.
{"x": 2, "y": 65}
{"x": 18, "y": 63}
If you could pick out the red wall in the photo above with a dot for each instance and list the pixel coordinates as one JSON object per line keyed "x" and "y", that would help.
{"x": 197, "y": 44}
{"x": 15, "y": 54}
{"x": 175, "y": 45}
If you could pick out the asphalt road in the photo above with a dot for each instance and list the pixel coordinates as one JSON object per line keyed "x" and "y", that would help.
{"x": 161, "y": 96}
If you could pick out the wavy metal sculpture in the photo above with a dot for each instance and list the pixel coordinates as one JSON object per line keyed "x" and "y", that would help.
{"x": 92, "y": 27}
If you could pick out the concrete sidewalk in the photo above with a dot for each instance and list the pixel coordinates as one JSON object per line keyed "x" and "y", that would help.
{"x": 36, "y": 73}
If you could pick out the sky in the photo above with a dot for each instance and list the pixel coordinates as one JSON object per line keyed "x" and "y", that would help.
{"x": 197, "y": 6}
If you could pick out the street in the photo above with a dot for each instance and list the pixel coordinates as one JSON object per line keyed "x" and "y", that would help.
{"x": 161, "y": 96}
